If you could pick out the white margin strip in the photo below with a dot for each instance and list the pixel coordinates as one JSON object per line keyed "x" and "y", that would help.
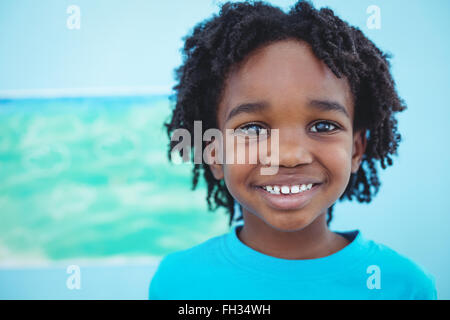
{"x": 84, "y": 92}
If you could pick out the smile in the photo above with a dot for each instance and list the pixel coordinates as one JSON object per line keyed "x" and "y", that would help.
{"x": 288, "y": 197}
{"x": 288, "y": 189}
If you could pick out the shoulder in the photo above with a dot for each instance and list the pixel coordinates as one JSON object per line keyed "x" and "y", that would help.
{"x": 199, "y": 254}
{"x": 183, "y": 268}
{"x": 399, "y": 274}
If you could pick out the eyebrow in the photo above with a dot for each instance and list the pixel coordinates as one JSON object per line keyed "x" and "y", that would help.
{"x": 251, "y": 107}
{"x": 258, "y": 107}
{"x": 325, "y": 105}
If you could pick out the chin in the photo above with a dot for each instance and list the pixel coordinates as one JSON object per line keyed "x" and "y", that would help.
{"x": 289, "y": 224}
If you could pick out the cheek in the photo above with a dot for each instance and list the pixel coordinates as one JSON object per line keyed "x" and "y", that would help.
{"x": 336, "y": 158}
{"x": 237, "y": 165}
{"x": 235, "y": 178}
{"x": 236, "y": 173}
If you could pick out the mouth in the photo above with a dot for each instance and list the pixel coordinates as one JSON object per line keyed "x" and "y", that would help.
{"x": 288, "y": 197}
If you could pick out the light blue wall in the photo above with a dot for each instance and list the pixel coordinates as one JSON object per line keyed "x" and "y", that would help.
{"x": 97, "y": 282}
{"x": 136, "y": 43}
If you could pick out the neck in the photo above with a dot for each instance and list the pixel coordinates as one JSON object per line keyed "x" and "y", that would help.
{"x": 314, "y": 241}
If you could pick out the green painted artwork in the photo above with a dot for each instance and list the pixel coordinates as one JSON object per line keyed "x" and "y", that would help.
{"x": 89, "y": 178}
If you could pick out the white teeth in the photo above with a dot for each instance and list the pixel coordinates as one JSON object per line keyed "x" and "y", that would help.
{"x": 287, "y": 189}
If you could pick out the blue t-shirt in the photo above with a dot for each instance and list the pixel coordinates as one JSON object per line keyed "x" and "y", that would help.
{"x": 225, "y": 268}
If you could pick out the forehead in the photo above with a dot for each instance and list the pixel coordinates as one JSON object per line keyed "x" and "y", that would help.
{"x": 285, "y": 74}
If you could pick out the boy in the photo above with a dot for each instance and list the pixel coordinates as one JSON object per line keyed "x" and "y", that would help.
{"x": 328, "y": 91}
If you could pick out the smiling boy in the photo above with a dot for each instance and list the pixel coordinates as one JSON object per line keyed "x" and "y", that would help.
{"x": 292, "y": 83}
{"x": 329, "y": 92}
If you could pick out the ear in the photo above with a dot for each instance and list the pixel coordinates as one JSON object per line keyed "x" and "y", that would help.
{"x": 359, "y": 147}
{"x": 216, "y": 168}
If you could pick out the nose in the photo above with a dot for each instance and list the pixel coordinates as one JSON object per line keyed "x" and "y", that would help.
{"x": 294, "y": 148}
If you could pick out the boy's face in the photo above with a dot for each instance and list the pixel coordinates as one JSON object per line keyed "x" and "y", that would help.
{"x": 316, "y": 140}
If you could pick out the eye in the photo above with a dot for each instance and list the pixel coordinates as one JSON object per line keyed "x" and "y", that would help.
{"x": 324, "y": 127}
{"x": 251, "y": 130}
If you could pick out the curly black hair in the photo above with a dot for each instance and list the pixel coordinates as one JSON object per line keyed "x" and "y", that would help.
{"x": 222, "y": 41}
